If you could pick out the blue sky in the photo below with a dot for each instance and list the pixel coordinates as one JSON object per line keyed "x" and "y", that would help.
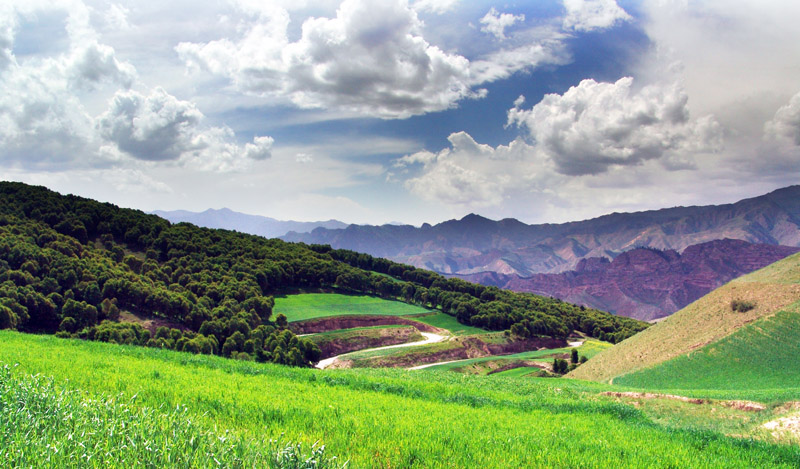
{"x": 394, "y": 110}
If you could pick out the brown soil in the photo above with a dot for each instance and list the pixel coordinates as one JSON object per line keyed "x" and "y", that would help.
{"x": 466, "y": 347}
{"x": 151, "y": 323}
{"x": 312, "y": 326}
{"x": 393, "y": 336}
{"x": 747, "y": 406}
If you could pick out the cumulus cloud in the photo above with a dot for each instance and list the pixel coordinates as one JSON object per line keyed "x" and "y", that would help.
{"x": 161, "y": 127}
{"x": 590, "y": 15}
{"x": 595, "y": 125}
{"x": 468, "y": 173}
{"x": 785, "y": 125}
{"x": 369, "y": 59}
{"x": 496, "y": 23}
{"x": 435, "y": 6}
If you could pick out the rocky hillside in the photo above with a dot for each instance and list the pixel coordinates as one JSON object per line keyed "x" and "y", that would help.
{"x": 646, "y": 283}
{"x": 476, "y": 244}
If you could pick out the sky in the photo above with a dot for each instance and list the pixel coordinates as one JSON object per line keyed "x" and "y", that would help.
{"x": 412, "y": 111}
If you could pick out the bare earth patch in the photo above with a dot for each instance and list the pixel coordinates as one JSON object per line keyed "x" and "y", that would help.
{"x": 747, "y": 406}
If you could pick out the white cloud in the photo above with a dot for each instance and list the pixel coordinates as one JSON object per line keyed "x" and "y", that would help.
{"x": 496, "y": 23}
{"x": 369, "y": 59}
{"x": 435, "y": 6}
{"x": 785, "y": 125}
{"x": 595, "y": 125}
{"x": 503, "y": 63}
{"x": 590, "y": 15}
{"x": 160, "y": 127}
{"x": 470, "y": 174}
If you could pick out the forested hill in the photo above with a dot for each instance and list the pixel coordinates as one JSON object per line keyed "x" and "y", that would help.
{"x": 80, "y": 268}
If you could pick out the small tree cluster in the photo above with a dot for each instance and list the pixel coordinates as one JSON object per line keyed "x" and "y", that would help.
{"x": 742, "y": 306}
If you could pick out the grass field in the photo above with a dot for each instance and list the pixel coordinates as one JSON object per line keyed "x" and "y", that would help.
{"x": 589, "y": 348}
{"x": 445, "y": 321}
{"x": 761, "y": 355}
{"x": 320, "y": 305}
{"x": 703, "y": 322}
{"x": 385, "y": 418}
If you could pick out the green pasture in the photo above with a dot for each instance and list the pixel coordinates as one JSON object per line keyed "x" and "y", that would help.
{"x": 320, "y": 305}
{"x": 760, "y": 356}
{"x": 447, "y": 322}
{"x": 382, "y": 418}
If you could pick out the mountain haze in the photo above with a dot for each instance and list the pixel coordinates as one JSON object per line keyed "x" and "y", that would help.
{"x": 252, "y": 224}
{"x": 476, "y": 244}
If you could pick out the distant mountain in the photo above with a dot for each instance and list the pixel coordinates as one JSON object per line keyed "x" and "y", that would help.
{"x": 253, "y": 224}
{"x": 476, "y": 244}
{"x": 646, "y": 283}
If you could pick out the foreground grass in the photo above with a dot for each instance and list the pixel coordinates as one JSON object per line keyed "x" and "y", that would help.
{"x": 390, "y": 418}
{"x": 44, "y": 425}
{"x": 320, "y": 305}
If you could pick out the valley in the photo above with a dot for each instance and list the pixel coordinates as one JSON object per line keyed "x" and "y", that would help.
{"x": 276, "y": 353}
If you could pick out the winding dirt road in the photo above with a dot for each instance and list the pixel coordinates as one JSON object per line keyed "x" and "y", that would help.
{"x": 430, "y": 338}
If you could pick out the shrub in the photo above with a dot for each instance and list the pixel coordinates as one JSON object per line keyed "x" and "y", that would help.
{"x": 742, "y": 306}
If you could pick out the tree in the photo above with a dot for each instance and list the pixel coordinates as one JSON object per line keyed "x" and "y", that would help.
{"x": 574, "y": 357}
{"x": 281, "y": 321}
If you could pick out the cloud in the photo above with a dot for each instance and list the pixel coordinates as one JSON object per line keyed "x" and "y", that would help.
{"x": 434, "y": 6}
{"x": 591, "y": 15}
{"x": 369, "y": 59}
{"x": 785, "y": 125}
{"x": 495, "y": 23}
{"x": 595, "y": 125}
{"x": 468, "y": 173}
{"x": 160, "y": 127}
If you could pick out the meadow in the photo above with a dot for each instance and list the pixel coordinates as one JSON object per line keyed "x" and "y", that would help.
{"x": 396, "y": 418}
{"x": 320, "y": 305}
{"x": 447, "y": 322}
{"x": 761, "y": 355}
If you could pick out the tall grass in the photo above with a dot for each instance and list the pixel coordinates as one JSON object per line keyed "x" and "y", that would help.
{"x": 44, "y": 425}
{"x": 388, "y": 418}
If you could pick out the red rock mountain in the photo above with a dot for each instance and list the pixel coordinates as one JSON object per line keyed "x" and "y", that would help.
{"x": 476, "y": 244}
{"x": 646, "y": 283}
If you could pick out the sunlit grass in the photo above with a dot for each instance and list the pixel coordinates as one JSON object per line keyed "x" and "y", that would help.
{"x": 382, "y": 418}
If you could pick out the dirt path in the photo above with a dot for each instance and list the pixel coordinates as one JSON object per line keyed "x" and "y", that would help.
{"x": 430, "y": 338}
{"x": 574, "y": 344}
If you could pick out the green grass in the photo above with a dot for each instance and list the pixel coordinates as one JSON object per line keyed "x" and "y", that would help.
{"x": 340, "y": 332}
{"x": 44, "y": 425}
{"x": 447, "y": 322}
{"x": 388, "y": 418}
{"x": 319, "y": 305}
{"x": 517, "y": 372}
{"x": 761, "y": 355}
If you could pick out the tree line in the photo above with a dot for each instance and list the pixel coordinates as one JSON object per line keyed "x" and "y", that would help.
{"x": 72, "y": 266}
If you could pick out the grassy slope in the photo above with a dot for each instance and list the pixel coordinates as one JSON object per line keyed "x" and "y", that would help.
{"x": 445, "y": 321}
{"x": 703, "y": 322}
{"x": 320, "y": 305}
{"x": 761, "y": 355}
{"x": 397, "y": 420}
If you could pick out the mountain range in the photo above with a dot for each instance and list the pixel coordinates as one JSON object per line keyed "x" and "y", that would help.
{"x": 252, "y": 224}
{"x": 475, "y": 244}
{"x": 646, "y": 283}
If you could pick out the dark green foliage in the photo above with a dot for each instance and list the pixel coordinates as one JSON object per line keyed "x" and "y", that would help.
{"x": 742, "y": 306}
{"x": 560, "y": 366}
{"x": 574, "y": 356}
{"x": 68, "y": 264}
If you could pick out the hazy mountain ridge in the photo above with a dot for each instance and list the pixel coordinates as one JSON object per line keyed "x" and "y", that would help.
{"x": 476, "y": 244}
{"x": 645, "y": 283}
{"x": 252, "y": 224}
